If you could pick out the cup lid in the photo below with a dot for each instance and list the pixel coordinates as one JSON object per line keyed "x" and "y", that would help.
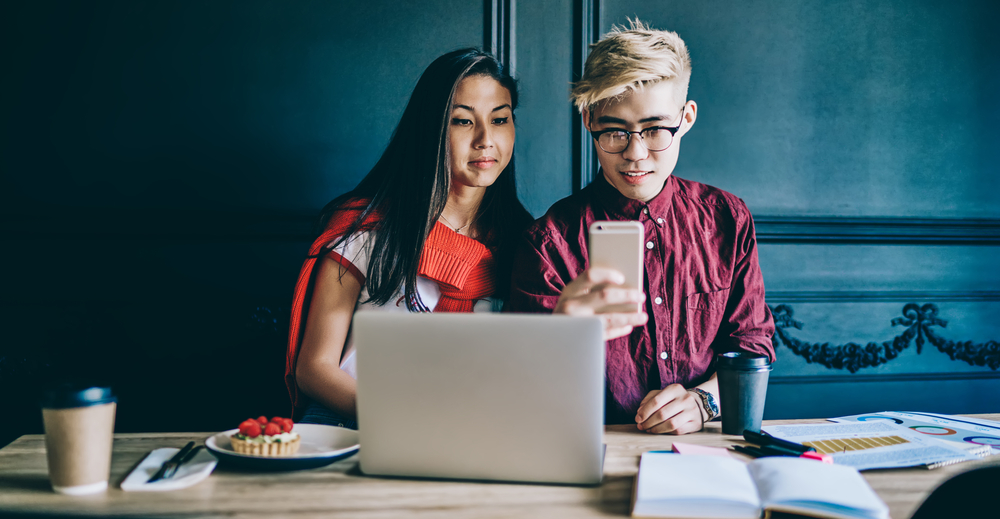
{"x": 742, "y": 360}
{"x": 74, "y": 395}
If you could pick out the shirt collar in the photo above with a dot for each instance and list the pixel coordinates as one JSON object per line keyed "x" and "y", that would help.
{"x": 619, "y": 205}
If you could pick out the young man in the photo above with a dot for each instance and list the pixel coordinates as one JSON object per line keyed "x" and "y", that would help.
{"x": 702, "y": 278}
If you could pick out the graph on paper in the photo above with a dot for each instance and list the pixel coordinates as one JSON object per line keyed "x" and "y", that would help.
{"x": 840, "y": 445}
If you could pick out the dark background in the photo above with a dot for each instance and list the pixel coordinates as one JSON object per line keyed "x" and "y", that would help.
{"x": 161, "y": 164}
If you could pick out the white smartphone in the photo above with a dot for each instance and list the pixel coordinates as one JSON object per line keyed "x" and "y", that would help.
{"x": 618, "y": 245}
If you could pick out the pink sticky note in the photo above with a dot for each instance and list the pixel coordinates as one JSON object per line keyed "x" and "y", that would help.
{"x": 690, "y": 448}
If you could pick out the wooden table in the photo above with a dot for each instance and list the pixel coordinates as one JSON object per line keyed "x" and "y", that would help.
{"x": 339, "y": 490}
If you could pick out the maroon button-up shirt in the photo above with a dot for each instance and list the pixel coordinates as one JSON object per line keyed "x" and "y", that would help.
{"x": 704, "y": 290}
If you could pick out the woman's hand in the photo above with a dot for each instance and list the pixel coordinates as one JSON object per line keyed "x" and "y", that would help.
{"x": 598, "y": 291}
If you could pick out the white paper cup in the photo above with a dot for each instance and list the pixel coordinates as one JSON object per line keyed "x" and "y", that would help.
{"x": 79, "y": 432}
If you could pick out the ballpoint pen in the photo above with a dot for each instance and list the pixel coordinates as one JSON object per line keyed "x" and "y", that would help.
{"x": 770, "y": 450}
{"x": 762, "y": 438}
{"x": 771, "y": 446}
{"x": 170, "y": 466}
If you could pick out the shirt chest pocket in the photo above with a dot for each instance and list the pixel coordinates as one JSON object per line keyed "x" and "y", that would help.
{"x": 704, "y": 315}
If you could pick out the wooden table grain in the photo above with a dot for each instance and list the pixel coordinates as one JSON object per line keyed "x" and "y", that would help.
{"x": 340, "y": 490}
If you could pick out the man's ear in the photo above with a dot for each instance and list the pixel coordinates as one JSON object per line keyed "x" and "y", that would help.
{"x": 586, "y": 118}
{"x": 690, "y": 116}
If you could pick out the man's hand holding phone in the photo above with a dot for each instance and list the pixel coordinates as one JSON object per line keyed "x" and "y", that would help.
{"x": 612, "y": 287}
{"x": 599, "y": 291}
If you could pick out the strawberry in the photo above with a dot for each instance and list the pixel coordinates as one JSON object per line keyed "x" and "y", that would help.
{"x": 250, "y": 429}
{"x": 278, "y": 420}
{"x": 262, "y": 420}
{"x": 271, "y": 429}
{"x": 286, "y": 425}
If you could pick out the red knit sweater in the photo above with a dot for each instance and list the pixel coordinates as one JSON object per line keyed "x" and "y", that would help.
{"x": 462, "y": 267}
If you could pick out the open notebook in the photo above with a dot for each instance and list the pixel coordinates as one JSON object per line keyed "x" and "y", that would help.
{"x": 674, "y": 485}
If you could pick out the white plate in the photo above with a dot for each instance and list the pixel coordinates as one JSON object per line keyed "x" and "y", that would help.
{"x": 320, "y": 445}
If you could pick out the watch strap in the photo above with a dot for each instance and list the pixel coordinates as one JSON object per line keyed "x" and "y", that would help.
{"x": 708, "y": 402}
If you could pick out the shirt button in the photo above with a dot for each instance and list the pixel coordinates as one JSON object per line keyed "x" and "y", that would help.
{"x": 664, "y": 355}
{"x": 649, "y": 245}
{"x": 658, "y": 300}
{"x": 645, "y": 210}
{"x": 659, "y": 221}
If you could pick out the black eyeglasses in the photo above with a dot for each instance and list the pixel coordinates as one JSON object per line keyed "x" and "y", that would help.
{"x": 654, "y": 138}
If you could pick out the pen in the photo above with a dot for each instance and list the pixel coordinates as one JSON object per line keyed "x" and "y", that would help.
{"x": 762, "y": 438}
{"x": 777, "y": 450}
{"x": 770, "y": 450}
{"x": 749, "y": 451}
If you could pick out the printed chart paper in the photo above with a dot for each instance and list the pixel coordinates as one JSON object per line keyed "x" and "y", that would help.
{"x": 864, "y": 445}
{"x": 960, "y": 429}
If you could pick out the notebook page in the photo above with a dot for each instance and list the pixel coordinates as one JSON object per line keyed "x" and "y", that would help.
{"x": 673, "y": 481}
{"x": 785, "y": 482}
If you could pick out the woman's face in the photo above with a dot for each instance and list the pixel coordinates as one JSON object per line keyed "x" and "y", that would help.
{"x": 481, "y": 136}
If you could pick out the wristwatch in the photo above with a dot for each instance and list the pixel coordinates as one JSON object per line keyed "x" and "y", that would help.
{"x": 707, "y": 402}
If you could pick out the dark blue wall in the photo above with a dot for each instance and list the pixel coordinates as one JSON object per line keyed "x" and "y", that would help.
{"x": 863, "y": 135}
{"x": 161, "y": 163}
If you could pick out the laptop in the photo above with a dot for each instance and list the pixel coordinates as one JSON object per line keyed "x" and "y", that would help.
{"x": 501, "y": 397}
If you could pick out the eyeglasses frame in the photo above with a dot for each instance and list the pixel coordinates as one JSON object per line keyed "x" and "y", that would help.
{"x": 672, "y": 129}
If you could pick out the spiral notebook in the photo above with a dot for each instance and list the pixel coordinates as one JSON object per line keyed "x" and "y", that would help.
{"x": 974, "y": 453}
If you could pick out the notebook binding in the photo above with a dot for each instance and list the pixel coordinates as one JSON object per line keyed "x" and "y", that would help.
{"x": 981, "y": 451}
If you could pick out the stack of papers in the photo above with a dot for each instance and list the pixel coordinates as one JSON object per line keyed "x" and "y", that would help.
{"x": 958, "y": 429}
{"x": 879, "y": 444}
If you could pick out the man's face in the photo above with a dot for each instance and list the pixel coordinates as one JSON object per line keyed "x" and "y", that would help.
{"x": 636, "y": 172}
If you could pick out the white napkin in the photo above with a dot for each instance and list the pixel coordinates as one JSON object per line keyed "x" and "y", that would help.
{"x": 190, "y": 473}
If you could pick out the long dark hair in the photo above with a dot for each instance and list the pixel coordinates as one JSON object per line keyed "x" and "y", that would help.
{"x": 408, "y": 186}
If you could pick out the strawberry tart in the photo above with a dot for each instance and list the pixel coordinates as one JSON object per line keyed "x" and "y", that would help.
{"x": 263, "y": 437}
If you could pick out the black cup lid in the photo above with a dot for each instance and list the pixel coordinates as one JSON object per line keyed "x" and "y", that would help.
{"x": 68, "y": 395}
{"x": 742, "y": 360}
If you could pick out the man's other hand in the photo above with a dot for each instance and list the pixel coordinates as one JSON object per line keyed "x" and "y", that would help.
{"x": 598, "y": 291}
{"x": 671, "y": 410}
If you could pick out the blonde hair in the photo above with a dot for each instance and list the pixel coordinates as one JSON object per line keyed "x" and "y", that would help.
{"x": 627, "y": 59}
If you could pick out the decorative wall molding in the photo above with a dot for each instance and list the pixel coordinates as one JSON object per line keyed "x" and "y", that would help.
{"x": 877, "y": 231}
{"x": 499, "y": 31}
{"x": 886, "y": 377}
{"x": 919, "y": 321}
{"x": 586, "y": 30}
{"x": 881, "y": 296}
{"x": 271, "y": 225}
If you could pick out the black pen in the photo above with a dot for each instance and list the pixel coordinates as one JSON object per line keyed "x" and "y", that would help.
{"x": 762, "y": 438}
{"x": 775, "y": 450}
{"x": 765, "y": 451}
{"x": 753, "y": 452}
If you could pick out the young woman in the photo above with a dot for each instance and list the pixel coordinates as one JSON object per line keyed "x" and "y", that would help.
{"x": 430, "y": 228}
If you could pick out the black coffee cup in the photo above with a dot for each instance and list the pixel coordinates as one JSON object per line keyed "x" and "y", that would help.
{"x": 742, "y": 389}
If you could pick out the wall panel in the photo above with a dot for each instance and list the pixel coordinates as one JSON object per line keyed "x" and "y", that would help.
{"x": 162, "y": 163}
{"x": 847, "y": 108}
{"x": 544, "y": 119}
{"x": 861, "y": 135}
